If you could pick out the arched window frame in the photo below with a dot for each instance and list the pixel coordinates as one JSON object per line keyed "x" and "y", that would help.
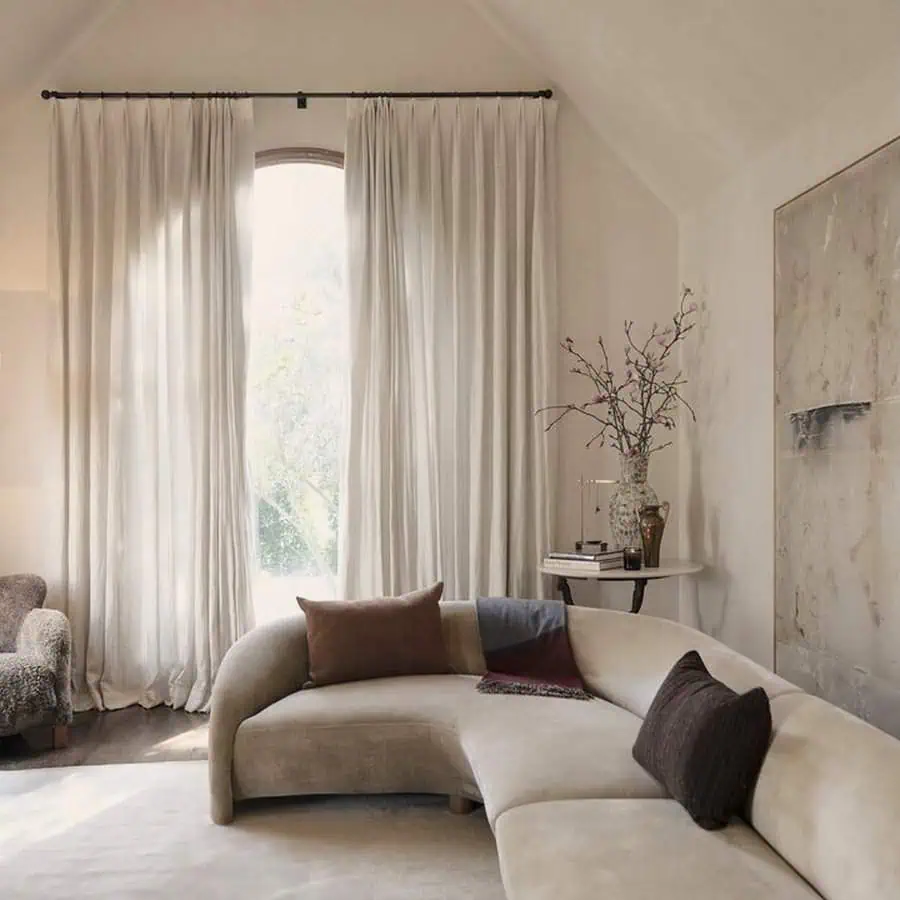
{"x": 283, "y": 155}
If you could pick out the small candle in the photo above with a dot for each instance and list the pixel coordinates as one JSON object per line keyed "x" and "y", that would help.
{"x": 632, "y": 558}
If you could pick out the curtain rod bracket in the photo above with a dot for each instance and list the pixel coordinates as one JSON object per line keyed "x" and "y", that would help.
{"x": 301, "y": 101}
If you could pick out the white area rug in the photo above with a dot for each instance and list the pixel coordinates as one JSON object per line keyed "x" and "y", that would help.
{"x": 129, "y": 832}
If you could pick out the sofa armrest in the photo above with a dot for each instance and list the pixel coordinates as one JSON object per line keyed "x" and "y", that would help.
{"x": 44, "y": 636}
{"x": 265, "y": 665}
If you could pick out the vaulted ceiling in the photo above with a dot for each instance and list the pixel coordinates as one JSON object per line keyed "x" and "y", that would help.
{"x": 35, "y": 32}
{"x": 685, "y": 91}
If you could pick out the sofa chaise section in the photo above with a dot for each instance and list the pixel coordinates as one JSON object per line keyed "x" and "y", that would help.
{"x": 636, "y": 850}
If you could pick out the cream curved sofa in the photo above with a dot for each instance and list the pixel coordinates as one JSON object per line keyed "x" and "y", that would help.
{"x": 574, "y": 817}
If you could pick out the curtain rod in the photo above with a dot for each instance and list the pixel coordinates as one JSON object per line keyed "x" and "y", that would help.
{"x": 300, "y": 96}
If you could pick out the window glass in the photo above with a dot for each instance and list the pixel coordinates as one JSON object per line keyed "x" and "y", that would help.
{"x": 297, "y": 380}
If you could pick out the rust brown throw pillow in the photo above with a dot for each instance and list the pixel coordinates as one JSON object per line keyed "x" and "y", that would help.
{"x": 704, "y": 742}
{"x": 351, "y": 640}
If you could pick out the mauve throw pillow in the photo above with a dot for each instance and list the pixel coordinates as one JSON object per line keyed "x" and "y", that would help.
{"x": 704, "y": 742}
{"x": 351, "y": 640}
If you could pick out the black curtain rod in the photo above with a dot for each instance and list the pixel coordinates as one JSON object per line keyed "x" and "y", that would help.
{"x": 300, "y": 96}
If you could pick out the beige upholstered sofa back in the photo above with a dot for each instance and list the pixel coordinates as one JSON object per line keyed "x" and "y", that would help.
{"x": 828, "y": 799}
{"x": 460, "y": 624}
{"x": 625, "y": 658}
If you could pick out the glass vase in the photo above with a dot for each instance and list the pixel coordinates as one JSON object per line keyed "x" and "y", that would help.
{"x": 630, "y": 495}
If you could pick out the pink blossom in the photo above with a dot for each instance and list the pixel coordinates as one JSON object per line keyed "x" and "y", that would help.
{"x": 692, "y": 307}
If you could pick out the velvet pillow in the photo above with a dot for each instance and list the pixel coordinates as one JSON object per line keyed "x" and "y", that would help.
{"x": 351, "y": 640}
{"x": 704, "y": 742}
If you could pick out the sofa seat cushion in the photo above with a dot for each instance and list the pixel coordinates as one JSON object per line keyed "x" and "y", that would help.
{"x": 385, "y": 735}
{"x": 625, "y": 658}
{"x": 635, "y": 850}
{"x": 528, "y": 749}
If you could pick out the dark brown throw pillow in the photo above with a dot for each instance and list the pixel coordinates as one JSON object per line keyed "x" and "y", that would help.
{"x": 704, "y": 742}
{"x": 351, "y": 640}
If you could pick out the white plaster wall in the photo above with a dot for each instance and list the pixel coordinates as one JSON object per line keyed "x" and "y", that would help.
{"x": 615, "y": 246}
{"x": 618, "y": 243}
{"x": 727, "y": 460}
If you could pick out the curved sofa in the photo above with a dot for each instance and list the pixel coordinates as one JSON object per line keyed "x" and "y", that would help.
{"x": 573, "y": 815}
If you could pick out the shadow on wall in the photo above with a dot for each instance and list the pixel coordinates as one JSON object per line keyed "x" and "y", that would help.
{"x": 703, "y": 533}
{"x": 707, "y": 608}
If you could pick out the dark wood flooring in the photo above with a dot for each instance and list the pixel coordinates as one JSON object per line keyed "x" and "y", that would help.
{"x": 120, "y": 736}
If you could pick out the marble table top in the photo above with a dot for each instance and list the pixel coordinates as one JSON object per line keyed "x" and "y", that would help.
{"x": 668, "y": 568}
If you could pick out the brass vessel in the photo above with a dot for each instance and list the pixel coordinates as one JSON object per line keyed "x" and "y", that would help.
{"x": 652, "y": 525}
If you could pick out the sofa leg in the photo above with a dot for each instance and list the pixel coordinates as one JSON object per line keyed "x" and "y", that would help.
{"x": 60, "y": 737}
{"x": 462, "y": 806}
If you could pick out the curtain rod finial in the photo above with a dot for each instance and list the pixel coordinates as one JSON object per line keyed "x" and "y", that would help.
{"x": 46, "y": 94}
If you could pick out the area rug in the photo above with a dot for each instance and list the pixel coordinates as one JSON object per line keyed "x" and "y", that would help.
{"x": 143, "y": 831}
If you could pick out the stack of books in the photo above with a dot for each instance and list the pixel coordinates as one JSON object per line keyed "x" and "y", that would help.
{"x": 588, "y": 561}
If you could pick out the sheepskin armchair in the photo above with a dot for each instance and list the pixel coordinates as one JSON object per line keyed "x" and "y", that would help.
{"x": 35, "y": 660}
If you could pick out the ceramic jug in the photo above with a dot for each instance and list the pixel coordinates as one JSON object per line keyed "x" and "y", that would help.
{"x": 652, "y": 526}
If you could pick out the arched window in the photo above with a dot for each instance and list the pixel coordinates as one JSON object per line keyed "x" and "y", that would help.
{"x": 297, "y": 374}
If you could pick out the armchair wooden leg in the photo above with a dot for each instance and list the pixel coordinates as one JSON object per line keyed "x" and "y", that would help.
{"x": 462, "y": 806}
{"x": 60, "y": 737}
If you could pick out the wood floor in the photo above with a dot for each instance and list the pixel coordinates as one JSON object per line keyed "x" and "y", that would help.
{"x": 123, "y": 736}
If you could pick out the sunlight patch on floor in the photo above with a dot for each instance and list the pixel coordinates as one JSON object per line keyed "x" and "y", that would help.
{"x": 195, "y": 739}
{"x": 61, "y": 802}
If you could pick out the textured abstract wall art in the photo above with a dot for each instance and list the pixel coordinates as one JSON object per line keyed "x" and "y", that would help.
{"x": 837, "y": 412}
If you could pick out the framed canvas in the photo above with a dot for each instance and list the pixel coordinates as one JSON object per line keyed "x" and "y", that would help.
{"x": 837, "y": 435}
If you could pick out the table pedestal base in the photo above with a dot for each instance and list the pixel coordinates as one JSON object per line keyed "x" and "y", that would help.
{"x": 637, "y": 595}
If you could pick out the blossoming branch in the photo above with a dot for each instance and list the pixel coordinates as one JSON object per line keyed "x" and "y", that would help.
{"x": 630, "y": 410}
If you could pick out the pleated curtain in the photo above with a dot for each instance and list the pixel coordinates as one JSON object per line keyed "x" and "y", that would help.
{"x": 150, "y": 265}
{"x": 452, "y": 280}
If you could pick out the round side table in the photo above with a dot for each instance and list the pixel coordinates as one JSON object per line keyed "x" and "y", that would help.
{"x": 668, "y": 568}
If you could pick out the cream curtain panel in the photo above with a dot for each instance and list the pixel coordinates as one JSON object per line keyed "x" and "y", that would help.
{"x": 452, "y": 278}
{"x": 150, "y": 211}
